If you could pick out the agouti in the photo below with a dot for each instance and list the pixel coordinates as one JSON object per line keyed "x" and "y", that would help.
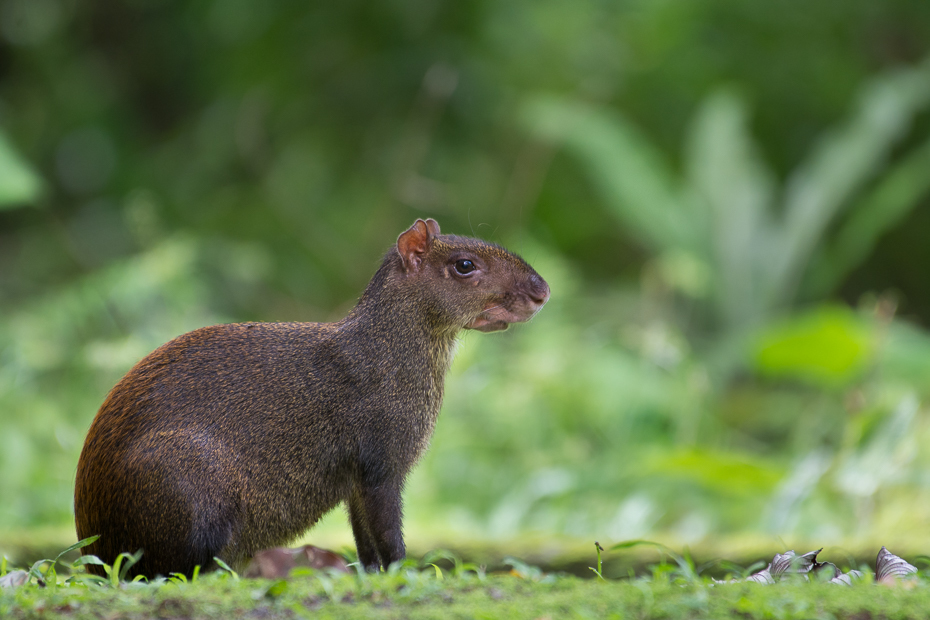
{"x": 235, "y": 438}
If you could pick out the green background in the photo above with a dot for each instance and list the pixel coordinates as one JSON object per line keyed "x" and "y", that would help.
{"x": 729, "y": 199}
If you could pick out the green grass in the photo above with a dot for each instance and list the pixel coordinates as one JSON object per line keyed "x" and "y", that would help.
{"x": 673, "y": 589}
{"x": 414, "y": 593}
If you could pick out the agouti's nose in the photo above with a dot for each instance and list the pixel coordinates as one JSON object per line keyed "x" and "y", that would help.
{"x": 539, "y": 290}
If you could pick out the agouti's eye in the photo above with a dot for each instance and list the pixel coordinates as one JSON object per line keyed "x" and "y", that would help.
{"x": 464, "y": 266}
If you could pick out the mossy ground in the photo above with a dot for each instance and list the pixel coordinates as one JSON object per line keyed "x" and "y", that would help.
{"x": 417, "y": 593}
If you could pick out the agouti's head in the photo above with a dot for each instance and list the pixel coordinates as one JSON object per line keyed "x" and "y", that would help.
{"x": 467, "y": 283}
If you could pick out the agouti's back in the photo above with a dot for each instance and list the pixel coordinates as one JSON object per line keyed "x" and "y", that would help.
{"x": 234, "y": 438}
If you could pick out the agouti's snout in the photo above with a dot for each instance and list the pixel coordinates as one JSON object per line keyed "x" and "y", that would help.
{"x": 235, "y": 438}
{"x": 538, "y": 290}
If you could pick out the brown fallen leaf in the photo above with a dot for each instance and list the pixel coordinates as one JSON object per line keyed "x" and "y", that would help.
{"x": 324, "y": 558}
{"x": 278, "y": 562}
{"x": 789, "y": 563}
{"x": 890, "y": 569}
{"x": 847, "y": 579}
{"x": 14, "y": 579}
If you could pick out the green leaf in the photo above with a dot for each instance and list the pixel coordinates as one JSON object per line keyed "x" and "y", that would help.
{"x": 88, "y": 559}
{"x": 684, "y": 561}
{"x": 728, "y": 174}
{"x": 78, "y": 545}
{"x": 637, "y": 183}
{"x": 723, "y": 161}
{"x": 224, "y": 566}
{"x": 827, "y": 347}
{"x": 905, "y": 354}
{"x": 887, "y": 204}
{"x": 629, "y": 544}
{"x": 880, "y": 456}
{"x": 122, "y": 564}
{"x": 19, "y": 184}
{"x": 276, "y": 589}
{"x": 36, "y": 574}
{"x": 722, "y": 473}
{"x": 845, "y": 160}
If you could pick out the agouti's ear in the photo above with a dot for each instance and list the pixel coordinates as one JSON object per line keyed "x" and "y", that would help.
{"x": 414, "y": 243}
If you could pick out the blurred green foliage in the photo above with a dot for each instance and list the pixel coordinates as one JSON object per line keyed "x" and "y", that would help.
{"x": 828, "y": 346}
{"x": 19, "y": 184}
{"x": 715, "y": 233}
{"x": 729, "y": 199}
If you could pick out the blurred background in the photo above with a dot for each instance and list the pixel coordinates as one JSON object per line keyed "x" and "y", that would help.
{"x": 730, "y": 200}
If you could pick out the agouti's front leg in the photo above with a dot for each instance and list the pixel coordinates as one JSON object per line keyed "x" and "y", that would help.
{"x": 364, "y": 543}
{"x": 375, "y": 514}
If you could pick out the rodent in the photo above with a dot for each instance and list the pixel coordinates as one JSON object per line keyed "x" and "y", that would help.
{"x": 235, "y": 438}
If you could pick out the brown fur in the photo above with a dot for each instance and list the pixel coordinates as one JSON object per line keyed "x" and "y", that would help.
{"x": 235, "y": 438}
